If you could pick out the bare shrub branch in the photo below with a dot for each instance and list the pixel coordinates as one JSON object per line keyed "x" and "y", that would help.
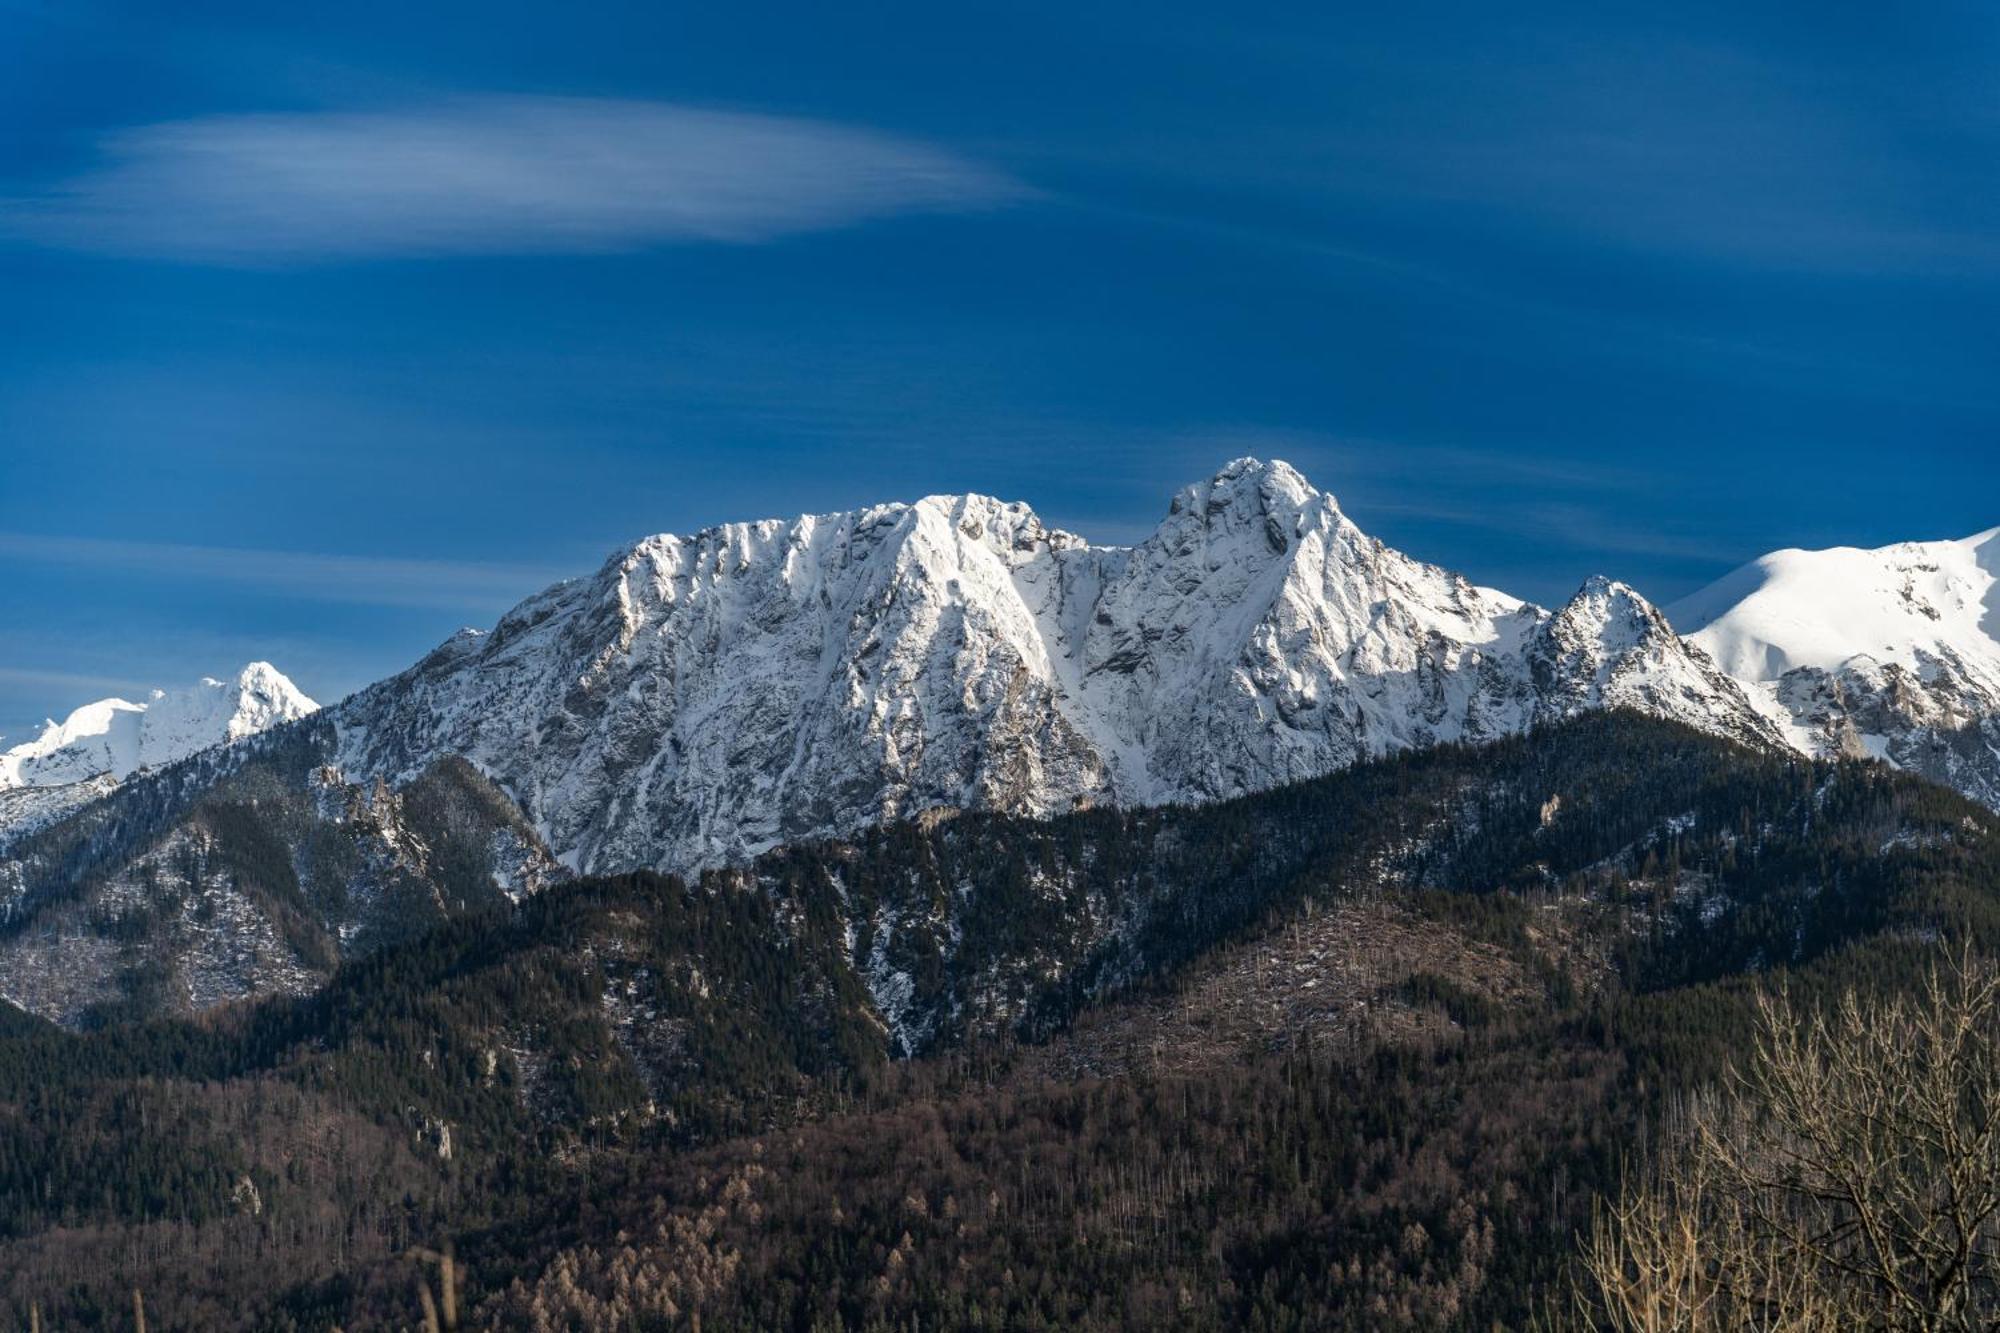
{"x": 1847, "y": 1177}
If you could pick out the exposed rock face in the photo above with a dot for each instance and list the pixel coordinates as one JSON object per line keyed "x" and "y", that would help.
{"x": 1611, "y": 648}
{"x": 704, "y": 698}
{"x": 249, "y": 869}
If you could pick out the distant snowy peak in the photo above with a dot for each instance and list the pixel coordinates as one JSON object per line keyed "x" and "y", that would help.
{"x": 702, "y": 698}
{"x": 115, "y": 738}
{"x": 1822, "y": 609}
{"x": 1893, "y": 652}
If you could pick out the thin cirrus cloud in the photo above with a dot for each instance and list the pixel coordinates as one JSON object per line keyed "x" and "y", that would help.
{"x": 488, "y": 175}
{"x": 357, "y": 579}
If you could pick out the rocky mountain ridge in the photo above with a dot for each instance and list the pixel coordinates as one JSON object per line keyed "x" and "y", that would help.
{"x": 247, "y": 869}
{"x": 702, "y": 699}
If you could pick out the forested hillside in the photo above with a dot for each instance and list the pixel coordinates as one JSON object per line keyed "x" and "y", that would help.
{"x": 1355, "y": 1053}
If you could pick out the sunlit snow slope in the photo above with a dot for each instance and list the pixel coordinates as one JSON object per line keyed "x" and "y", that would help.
{"x": 1892, "y": 652}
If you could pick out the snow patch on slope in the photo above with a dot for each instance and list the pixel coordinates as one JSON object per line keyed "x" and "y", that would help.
{"x": 1986, "y": 549}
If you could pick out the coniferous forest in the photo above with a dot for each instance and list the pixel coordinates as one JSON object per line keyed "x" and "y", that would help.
{"x": 1376, "y": 1051}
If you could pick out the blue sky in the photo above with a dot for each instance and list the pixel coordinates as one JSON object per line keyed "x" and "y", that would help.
{"x": 327, "y": 329}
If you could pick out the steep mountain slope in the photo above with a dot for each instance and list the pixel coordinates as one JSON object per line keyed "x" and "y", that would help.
{"x": 1459, "y": 936}
{"x": 704, "y": 698}
{"x": 1893, "y": 652}
{"x": 101, "y": 744}
{"x": 246, "y": 869}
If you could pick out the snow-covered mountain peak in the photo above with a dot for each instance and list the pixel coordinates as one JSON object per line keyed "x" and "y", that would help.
{"x": 90, "y": 725}
{"x": 1265, "y": 472}
{"x": 1608, "y": 647}
{"x": 1896, "y": 605}
{"x": 1253, "y": 536}
{"x": 1246, "y": 494}
{"x": 115, "y": 738}
{"x": 1892, "y": 652}
{"x": 1008, "y": 530}
{"x": 1612, "y": 613}
{"x": 264, "y": 696}
{"x": 704, "y": 697}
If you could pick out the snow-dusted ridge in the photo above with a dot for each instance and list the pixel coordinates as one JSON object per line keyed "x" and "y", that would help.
{"x": 116, "y": 737}
{"x": 101, "y": 744}
{"x": 703, "y": 698}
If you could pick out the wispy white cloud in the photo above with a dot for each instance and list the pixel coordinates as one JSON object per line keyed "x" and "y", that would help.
{"x": 1337, "y": 458}
{"x": 1565, "y": 526}
{"x": 79, "y": 683}
{"x": 487, "y": 175}
{"x": 358, "y": 579}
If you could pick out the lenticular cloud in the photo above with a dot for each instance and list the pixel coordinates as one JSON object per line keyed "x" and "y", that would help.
{"x": 494, "y": 175}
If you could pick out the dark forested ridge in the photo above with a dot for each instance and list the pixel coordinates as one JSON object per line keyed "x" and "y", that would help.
{"x": 1356, "y": 1053}
{"x": 247, "y": 870}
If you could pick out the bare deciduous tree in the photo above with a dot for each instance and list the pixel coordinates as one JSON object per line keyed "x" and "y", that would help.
{"x": 1848, "y": 1177}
